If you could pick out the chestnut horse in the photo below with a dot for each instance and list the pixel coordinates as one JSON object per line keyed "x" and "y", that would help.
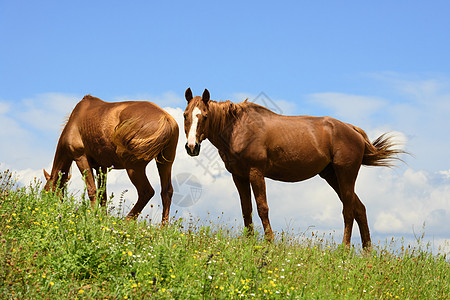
{"x": 122, "y": 135}
{"x": 255, "y": 143}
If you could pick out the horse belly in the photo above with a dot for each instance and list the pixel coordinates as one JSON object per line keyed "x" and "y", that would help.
{"x": 297, "y": 170}
{"x": 104, "y": 155}
{"x": 293, "y": 175}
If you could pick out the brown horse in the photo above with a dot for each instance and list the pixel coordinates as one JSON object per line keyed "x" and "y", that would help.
{"x": 255, "y": 143}
{"x": 122, "y": 135}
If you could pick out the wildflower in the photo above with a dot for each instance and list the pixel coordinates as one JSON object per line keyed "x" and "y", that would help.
{"x": 80, "y": 291}
{"x": 130, "y": 253}
{"x": 173, "y": 276}
{"x": 51, "y": 283}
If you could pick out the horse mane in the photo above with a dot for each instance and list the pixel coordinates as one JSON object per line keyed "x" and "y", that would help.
{"x": 64, "y": 123}
{"x": 226, "y": 111}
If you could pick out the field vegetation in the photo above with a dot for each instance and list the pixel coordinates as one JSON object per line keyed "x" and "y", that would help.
{"x": 53, "y": 249}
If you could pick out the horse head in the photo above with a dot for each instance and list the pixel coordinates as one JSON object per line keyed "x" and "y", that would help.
{"x": 55, "y": 181}
{"x": 196, "y": 121}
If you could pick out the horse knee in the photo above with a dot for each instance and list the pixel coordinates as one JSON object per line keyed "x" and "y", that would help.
{"x": 147, "y": 193}
{"x": 360, "y": 211}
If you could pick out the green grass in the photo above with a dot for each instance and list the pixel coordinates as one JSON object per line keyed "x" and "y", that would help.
{"x": 52, "y": 249}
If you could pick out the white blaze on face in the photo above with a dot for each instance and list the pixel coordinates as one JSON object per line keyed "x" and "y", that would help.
{"x": 193, "y": 131}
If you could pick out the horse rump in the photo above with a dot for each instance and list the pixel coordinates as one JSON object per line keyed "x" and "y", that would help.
{"x": 136, "y": 139}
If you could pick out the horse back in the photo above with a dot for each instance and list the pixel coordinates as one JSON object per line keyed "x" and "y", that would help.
{"x": 91, "y": 126}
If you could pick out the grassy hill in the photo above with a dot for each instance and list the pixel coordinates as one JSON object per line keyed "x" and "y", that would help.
{"x": 53, "y": 249}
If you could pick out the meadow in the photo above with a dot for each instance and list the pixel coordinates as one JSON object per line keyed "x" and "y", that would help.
{"x": 53, "y": 249}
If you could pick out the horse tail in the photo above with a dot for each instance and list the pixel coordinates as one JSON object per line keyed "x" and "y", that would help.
{"x": 136, "y": 139}
{"x": 382, "y": 151}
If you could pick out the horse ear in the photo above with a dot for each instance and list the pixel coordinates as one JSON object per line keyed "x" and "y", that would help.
{"x": 46, "y": 175}
{"x": 188, "y": 95}
{"x": 205, "y": 96}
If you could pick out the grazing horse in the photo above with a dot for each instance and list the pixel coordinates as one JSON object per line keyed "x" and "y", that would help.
{"x": 255, "y": 143}
{"x": 122, "y": 135}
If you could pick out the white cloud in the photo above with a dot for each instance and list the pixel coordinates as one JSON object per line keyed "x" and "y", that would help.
{"x": 4, "y": 108}
{"x": 47, "y": 111}
{"x": 388, "y": 223}
{"x": 25, "y": 127}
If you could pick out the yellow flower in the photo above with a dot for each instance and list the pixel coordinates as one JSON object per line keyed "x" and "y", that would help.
{"x": 80, "y": 292}
{"x": 221, "y": 288}
{"x": 51, "y": 283}
{"x": 173, "y": 276}
{"x": 134, "y": 285}
{"x": 130, "y": 253}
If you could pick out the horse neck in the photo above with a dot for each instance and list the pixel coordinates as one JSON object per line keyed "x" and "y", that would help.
{"x": 61, "y": 163}
{"x": 222, "y": 117}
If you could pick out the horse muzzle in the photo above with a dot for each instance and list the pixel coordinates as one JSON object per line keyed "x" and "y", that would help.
{"x": 193, "y": 151}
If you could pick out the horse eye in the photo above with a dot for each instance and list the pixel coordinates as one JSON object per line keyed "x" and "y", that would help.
{"x": 184, "y": 116}
{"x": 206, "y": 117}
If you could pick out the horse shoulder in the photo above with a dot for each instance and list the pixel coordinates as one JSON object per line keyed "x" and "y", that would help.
{"x": 248, "y": 137}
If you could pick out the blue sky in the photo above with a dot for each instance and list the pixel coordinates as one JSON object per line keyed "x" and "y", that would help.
{"x": 111, "y": 48}
{"x": 383, "y": 67}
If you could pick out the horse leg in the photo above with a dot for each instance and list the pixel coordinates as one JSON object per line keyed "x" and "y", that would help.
{"x": 343, "y": 179}
{"x": 243, "y": 187}
{"x": 86, "y": 171}
{"x": 259, "y": 189}
{"x": 165, "y": 171}
{"x": 145, "y": 191}
{"x": 361, "y": 219}
{"x": 101, "y": 185}
{"x": 330, "y": 176}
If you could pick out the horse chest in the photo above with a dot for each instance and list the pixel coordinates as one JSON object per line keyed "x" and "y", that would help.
{"x": 232, "y": 163}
